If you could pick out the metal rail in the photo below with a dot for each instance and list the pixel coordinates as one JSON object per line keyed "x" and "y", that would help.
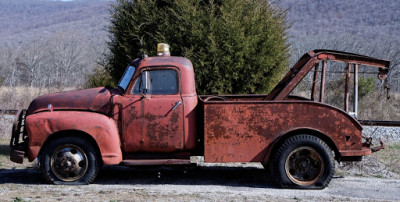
{"x": 379, "y": 123}
{"x": 8, "y": 111}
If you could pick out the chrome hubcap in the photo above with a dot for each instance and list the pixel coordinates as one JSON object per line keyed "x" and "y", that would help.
{"x": 69, "y": 162}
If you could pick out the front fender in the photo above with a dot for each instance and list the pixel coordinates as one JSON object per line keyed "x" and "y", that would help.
{"x": 102, "y": 129}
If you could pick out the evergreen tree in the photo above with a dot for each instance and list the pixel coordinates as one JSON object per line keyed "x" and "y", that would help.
{"x": 235, "y": 46}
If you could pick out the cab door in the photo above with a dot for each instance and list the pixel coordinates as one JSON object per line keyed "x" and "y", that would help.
{"x": 161, "y": 116}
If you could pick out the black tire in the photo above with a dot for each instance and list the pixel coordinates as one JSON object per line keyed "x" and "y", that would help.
{"x": 70, "y": 161}
{"x": 302, "y": 162}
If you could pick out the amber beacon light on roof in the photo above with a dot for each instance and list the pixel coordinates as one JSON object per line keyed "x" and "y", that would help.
{"x": 163, "y": 49}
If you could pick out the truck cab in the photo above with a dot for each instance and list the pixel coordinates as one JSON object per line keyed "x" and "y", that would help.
{"x": 156, "y": 106}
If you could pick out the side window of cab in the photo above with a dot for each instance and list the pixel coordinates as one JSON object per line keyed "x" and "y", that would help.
{"x": 157, "y": 82}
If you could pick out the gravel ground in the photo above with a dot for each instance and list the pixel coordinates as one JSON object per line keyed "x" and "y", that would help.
{"x": 204, "y": 183}
{"x": 6, "y": 125}
{"x": 386, "y": 134}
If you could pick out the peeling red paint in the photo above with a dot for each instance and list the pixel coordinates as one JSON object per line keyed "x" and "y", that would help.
{"x": 231, "y": 128}
{"x": 103, "y": 131}
{"x": 242, "y": 131}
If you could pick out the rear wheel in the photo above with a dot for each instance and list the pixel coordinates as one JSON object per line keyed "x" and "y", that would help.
{"x": 70, "y": 160}
{"x": 303, "y": 161}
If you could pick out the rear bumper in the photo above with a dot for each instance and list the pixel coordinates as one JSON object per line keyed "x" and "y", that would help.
{"x": 364, "y": 151}
{"x": 356, "y": 155}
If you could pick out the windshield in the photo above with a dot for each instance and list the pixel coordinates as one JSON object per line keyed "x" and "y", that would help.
{"x": 123, "y": 83}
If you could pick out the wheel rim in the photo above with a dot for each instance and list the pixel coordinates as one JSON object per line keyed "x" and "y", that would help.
{"x": 304, "y": 166}
{"x": 69, "y": 162}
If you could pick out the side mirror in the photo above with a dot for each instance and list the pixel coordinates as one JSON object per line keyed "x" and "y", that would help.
{"x": 144, "y": 84}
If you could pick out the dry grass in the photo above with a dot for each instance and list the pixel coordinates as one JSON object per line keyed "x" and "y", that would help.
{"x": 382, "y": 164}
{"x": 376, "y": 106}
{"x": 5, "y": 162}
{"x": 20, "y": 97}
{"x": 390, "y": 156}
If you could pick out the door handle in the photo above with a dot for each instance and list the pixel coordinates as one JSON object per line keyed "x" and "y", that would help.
{"x": 173, "y": 108}
{"x": 176, "y": 105}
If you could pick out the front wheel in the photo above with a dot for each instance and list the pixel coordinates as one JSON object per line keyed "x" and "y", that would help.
{"x": 70, "y": 160}
{"x": 303, "y": 161}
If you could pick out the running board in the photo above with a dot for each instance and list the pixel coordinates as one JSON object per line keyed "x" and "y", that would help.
{"x": 142, "y": 162}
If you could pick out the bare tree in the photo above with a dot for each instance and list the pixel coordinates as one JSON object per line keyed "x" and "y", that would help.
{"x": 31, "y": 59}
{"x": 9, "y": 72}
{"x": 71, "y": 58}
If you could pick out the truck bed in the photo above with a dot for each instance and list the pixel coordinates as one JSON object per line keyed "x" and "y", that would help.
{"x": 242, "y": 128}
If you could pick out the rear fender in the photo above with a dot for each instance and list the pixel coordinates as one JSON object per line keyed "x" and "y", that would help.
{"x": 41, "y": 126}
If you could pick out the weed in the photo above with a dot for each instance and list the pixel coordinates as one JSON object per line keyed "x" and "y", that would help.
{"x": 396, "y": 146}
{"x": 18, "y": 199}
{"x": 390, "y": 157}
{"x": 359, "y": 175}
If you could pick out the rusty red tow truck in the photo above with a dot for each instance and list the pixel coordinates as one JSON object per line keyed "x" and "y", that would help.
{"x": 155, "y": 117}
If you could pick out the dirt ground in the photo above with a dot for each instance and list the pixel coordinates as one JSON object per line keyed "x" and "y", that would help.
{"x": 189, "y": 183}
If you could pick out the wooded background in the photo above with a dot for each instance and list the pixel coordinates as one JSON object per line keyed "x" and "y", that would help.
{"x": 48, "y": 46}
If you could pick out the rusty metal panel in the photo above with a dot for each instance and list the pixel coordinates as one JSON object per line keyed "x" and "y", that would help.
{"x": 190, "y": 122}
{"x": 157, "y": 123}
{"x": 129, "y": 112}
{"x": 242, "y": 131}
{"x": 150, "y": 125}
{"x": 102, "y": 128}
{"x": 94, "y": 99}
{"x": 162, "y": 124}
{"x": 152, "y": 122}
{"x": 350, "y": 58}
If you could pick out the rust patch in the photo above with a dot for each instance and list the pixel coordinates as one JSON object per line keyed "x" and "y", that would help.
{"x": 241, "y": 131}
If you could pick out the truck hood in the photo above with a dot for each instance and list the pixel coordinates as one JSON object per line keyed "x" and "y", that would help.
{"x": 94, "y": 99}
